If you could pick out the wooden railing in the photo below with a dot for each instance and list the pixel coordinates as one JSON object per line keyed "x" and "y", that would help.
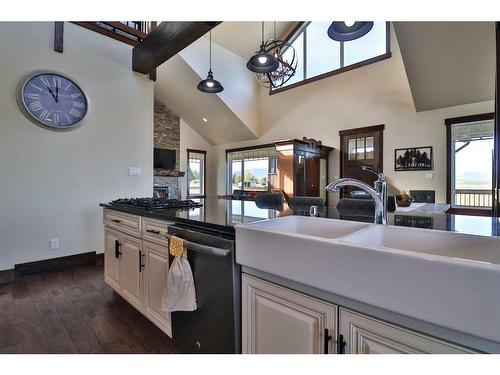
{"x": 130, "y": 32}
{"x": 474, "y": 198}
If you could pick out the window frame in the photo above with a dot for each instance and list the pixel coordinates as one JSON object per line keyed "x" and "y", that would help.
{"x": 229, "y": 171}
{"x": 449, "y": 122}
{"x": 204, "y": 176}
{"x": 300, "y": 28}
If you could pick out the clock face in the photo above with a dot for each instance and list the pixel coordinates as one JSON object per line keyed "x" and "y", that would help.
{"x": 54, "y": 100}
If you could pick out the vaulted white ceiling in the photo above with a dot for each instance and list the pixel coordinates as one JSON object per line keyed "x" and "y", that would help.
{"x": 448, "y": 63}
{"x": 233, "y": 114}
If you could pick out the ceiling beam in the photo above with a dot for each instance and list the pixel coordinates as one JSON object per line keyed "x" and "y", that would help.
{"x": 165, "y": 41}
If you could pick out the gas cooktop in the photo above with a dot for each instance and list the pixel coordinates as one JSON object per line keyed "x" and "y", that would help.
{"x": 155, "y": 203}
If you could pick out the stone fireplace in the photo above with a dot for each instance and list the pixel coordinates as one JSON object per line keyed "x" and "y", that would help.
{"x": 167, "y": 136}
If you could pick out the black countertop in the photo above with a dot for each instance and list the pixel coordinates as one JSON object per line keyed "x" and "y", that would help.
{"x": 221, "y": 215}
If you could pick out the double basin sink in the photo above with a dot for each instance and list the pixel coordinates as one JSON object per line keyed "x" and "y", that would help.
{"x": 448, "y": 279}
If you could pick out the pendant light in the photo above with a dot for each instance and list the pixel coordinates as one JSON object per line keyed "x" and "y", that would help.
{"x": 210, "y": 85}
{"x": 262, "y": 61}
{"x": 344, "y": 31}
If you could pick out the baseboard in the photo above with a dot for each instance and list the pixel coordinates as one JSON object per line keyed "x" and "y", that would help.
{"x": 55, "y": 264}
{"x": 99, "y": 259}
{"x": 7, "y": 276}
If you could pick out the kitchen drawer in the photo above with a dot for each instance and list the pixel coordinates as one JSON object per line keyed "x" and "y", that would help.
{"x": 155, "y": 230}
{"x": 127, "y": 223}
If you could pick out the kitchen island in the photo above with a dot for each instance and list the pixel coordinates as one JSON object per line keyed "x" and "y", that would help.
{"x": 219, "y": 217}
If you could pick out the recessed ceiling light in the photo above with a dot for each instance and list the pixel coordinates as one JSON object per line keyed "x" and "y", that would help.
{"x": 204, "y": 119}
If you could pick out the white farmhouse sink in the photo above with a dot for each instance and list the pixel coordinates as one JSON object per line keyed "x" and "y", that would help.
{"x": 309, "y": 226}
{"x": 431, "y": 242}
{"x": 449, "y": 279}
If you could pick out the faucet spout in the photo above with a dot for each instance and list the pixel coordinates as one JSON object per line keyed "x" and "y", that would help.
{"x": 379, "y": 195}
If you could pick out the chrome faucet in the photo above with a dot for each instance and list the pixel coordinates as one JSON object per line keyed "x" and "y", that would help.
{"x": 378, "y": 192}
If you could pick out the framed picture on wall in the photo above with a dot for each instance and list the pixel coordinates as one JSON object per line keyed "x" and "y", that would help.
{"x": 413, "y": 159}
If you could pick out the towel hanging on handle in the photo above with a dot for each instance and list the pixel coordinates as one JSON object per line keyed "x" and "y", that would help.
{"x": 179, "y": 294}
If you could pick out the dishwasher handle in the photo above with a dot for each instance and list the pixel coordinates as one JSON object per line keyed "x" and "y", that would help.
{"x": 203, "y": 249}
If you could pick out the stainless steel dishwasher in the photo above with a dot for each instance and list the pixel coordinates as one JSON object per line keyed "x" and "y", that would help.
{"x": 215, "y": 327}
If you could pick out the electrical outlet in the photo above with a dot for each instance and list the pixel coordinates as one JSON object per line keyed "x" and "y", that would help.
{"x": 54, "y": 244}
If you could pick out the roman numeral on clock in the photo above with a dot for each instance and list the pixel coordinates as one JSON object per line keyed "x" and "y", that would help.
{"x": 45, "y": 81}
{"x": 36, "y": 106}
{"x": 33, "y": 96}
{"x": 45, "y": 115}
{"x": 75, "y": 95}
{"x": 76, "y": 113}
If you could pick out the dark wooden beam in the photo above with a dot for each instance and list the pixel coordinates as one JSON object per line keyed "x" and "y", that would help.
{"x": 58, "y": 36}
{"x": 165, "y": 41}
{"x": 152, "y": 74}
{"x": 496, "y": 148}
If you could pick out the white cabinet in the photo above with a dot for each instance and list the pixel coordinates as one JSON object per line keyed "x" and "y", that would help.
{"x": 278, "y": 320}
{"x": 130, "y": 276}
{"x": 155, "y": 277}
{"x": 136, "y": 263}
{"x": 122, "y": 260}
{"x": 366, "y": 335}
{"x": 111, "y": 246}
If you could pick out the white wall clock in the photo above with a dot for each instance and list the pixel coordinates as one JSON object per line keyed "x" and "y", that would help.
{"x": 52, "y": 99}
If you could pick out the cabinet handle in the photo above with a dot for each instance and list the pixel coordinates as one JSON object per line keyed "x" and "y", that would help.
{"x": 341, "y": 345}
{"x": 153, "y": 231}
{"x": 117, "y": 249}
{"x": 326, "y": 338}
{"x": 141, "y": 266}
{"x": 116, "y": 221}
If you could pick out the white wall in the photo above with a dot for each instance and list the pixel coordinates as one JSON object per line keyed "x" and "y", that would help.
{"x": 52, "y": 182}
{"x": 375, "y": 94}
{"x": 191, "y": 139}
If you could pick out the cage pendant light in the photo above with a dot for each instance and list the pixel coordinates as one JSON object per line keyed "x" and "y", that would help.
{"x": 210, "y": 85}
{"x": 262, "y": 61}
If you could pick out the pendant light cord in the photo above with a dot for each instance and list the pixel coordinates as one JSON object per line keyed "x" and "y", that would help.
{"x": 262, "y": 32}
{"x": 210, "y": 53}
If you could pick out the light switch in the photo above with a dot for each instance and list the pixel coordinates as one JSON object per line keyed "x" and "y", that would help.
{"x": 134, "y": 171}
{"x": 429, "y": 175}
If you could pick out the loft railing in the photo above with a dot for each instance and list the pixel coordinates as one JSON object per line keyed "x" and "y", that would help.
{"x": 473, "y": 198}
{"x": 130, "y": 32}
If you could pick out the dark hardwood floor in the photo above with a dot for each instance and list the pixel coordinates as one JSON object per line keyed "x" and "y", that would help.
{"x": 73, "y": 311}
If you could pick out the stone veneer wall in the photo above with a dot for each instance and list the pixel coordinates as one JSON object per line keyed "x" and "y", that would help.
{"x": 167, "y": 133}
{"x": 173, "y": 183}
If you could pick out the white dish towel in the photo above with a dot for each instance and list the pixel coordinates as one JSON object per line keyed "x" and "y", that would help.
{"x": 180, "y": 293}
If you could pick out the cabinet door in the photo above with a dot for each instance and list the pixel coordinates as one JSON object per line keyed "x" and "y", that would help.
{"x": 312, "y": 174}
{"x": 155, "y": 277}
{"x": 129, "y": 273}
{"x": 366, "y": 335}
{"x": 111, "y": 239}
{"x": 300, "y": 174}
{"x": 279, "y": 320}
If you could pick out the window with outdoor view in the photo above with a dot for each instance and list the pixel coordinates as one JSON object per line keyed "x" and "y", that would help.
{"x": 319, "y": 55}
{"x": 249, "y": 170}
{"x": 471, "y": 164}
{"x": 196, "y": 173}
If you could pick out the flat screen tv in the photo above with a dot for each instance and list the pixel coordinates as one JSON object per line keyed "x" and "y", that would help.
{"x": 164, "y": 158}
